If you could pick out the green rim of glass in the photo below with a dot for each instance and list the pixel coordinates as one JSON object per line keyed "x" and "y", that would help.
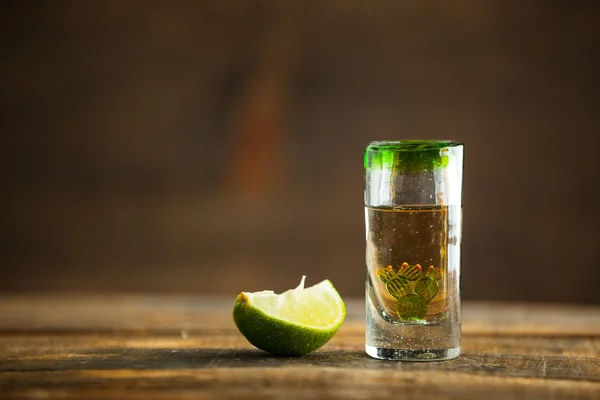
{"x": 408, "y": 155}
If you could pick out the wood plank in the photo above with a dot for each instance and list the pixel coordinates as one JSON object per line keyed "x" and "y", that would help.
{"x": 531, "y": 319}
{"x": 557, "y": 367}
{"x": 17, "y": 347}
{"x": 172, "y": 314}
{"x": 293, "y": 382}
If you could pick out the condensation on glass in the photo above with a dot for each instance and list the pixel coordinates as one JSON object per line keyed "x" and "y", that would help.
{"x": 413, "y": 218}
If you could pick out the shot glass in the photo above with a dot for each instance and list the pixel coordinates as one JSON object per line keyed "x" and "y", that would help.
{"x": 413, "y": 218}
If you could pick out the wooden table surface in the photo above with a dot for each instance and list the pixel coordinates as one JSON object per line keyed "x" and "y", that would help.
{"x": 154, "y": 347}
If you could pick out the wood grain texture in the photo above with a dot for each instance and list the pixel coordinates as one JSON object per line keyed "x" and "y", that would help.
{"x": 165, "y": 347}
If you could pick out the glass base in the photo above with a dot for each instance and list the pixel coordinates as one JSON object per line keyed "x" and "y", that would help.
{"x": 413, "y": 355}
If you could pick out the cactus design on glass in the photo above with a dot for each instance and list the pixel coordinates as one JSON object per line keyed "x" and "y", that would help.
{"x": 412, "y": 287}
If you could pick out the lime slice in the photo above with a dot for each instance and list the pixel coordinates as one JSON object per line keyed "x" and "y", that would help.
{"x": 293, "y": 323}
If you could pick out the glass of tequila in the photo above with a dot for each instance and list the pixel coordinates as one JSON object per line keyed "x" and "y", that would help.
{"x": 413, "y": 217}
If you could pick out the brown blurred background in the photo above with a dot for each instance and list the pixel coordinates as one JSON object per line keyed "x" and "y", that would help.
{"x": 216, "y": 146}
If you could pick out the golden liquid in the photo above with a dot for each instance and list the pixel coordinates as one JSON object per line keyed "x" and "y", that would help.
{"x": 412, "y": 234}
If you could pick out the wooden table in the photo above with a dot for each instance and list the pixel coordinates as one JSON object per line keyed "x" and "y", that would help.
{"x": 152, "y": 347}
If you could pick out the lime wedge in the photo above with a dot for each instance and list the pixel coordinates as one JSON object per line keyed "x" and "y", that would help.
{"x": 293, "y": 323}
